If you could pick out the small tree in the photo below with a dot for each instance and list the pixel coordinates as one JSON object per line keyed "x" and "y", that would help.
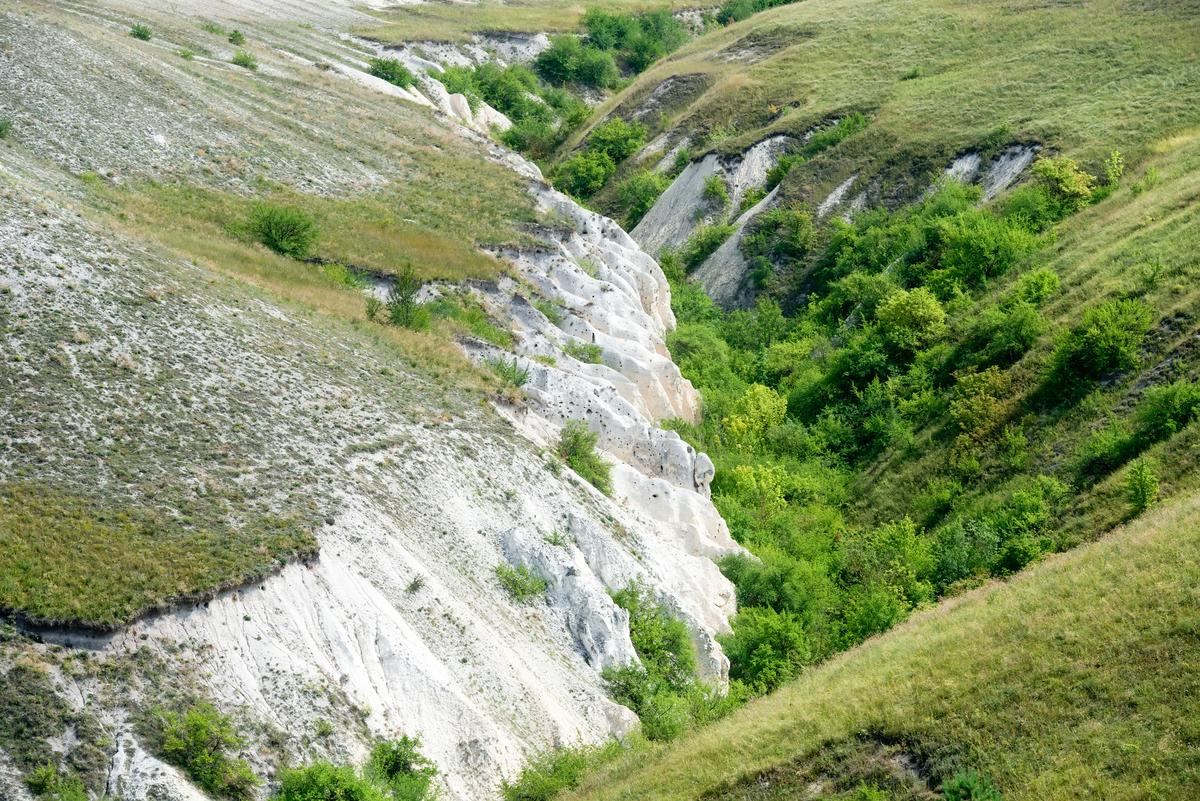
{"x": 392, "y": 71}
{"x": 402, "y": 298}
{"x": 910, "y": 319}
{"x": 1141, "y": 487}
{"x": 577, "y": 447}
{"x": 287, "y": 231}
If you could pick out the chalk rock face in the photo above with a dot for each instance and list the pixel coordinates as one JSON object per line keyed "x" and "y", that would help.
{"x": 683, "y": 207}
{"x": 725, "y": 274}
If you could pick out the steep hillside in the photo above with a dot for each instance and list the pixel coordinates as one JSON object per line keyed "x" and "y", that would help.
{"x": 1063, "y": 683}
{"x": 305, "y": 389}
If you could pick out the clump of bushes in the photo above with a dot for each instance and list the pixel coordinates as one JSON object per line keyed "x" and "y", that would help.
{"x": 550, "y": 773}
{"x": 392, "y": 71}
{"x": 613, "y": 42}
{"x": 395, "y": 771}
{"x": 585, "y": 173}
{"x": 287, "y": 230}
{"x": 245, "y": 60}
{"x": 663, "y": 690}
{"x": 520, "y": 583}
{"x": 577, "y": 447}
{"x": 237, "y": 38}
{"x": 1106, "y": 340}
{"x": 49, "y": 784}
{"x": 636, "y": 195}
{"x": 142, "y": 32}
{"x": 703, "y": 242}
{"x": 199, "y": 740}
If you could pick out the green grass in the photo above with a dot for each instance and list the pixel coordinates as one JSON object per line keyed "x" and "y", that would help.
{"x": 70, "y": 560}
{"x": 453, "y": 22}
{"x": 1082, "y": 77}
{"x": 1065, "y": 683}
{"x": 373, "y": 232}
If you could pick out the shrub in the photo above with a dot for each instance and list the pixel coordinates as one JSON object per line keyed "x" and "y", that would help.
{"x": 400, "y": 766}
{"x": 715, "y": 191}
{"x": 392, "y": 71}
{"x": 236, "y": 37}
{"x": 975, "y": 246}
{"x": 1104, "y": 451}
{"x": 322, "y": 781}
{"x": 637, "y": 194}
{"x": 568, "y": 61}
{"x": 547, "y": 775}
{"x": 703, "y": 242}
{"x": 245, "y": 60}
{"x": 402, "y": 304}
{"x": 766, "y": 649}
{"x": 911, "y": 319}
{"x": 48, "y": 784}
{"x": 1031, "y": 207}
{"x": 1037, "y": 286}
{"x": 286, "y": 230}
{"x": 1067, "y": 185}
{"x": 588, "y": 352}
{"x": 969, "y": 786}
{"x": 617, "y": 138}
{"x": 1107, "y": 339}
{"x": 781, "y": 233}
{"x": 520, "y": 583}
{"x": 198, "y": 741}
{"x": 583, "y": 174}
{"x": 140, "y": 31}
{"x": 1166, "y": 409}
{"x": 1141, "y": 487}
{"x": 1001, "y": 336}
{"x": 186, "y": 53}
{"x": 662, "y": 641}
{"x": 509, "y": 370}
{"x": 374, "y": 307}
{"x": 782, "y": 167}
{"x": 5, "y": 128}
{"x": 550, "y": 309}
{"x": 577, "y": 447}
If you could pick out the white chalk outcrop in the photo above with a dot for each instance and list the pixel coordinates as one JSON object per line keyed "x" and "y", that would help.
{"x": 400, "y": 626}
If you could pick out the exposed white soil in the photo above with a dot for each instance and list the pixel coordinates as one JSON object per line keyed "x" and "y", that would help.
{"x": 993, "y": 178}
{"x": 683, "y": 207}
{"x": 725, "y": 274}
{"x": 116, "y": 351}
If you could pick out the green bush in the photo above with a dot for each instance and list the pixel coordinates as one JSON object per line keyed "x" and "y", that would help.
{"x": 520, "y": 583}
{"x": 583, "y": 174}
{"x": 140, "y": 31}
{"x": 969, "y": 786}
{"x": 1141, "y": 487}
{"x": 617, "y": 139}
{"x": 402, "y": 306}
{"x": 715, "y": 191}
{"x": 569, "y": 61}
{"x": 1036, "y": 286}
{"x": 236, "y": 37}
{"x": 286, "y": 230}
{"x": 1069, "y": 187}
{"x": 400, "y": 766}
{"x": 5, "y": 128}
{"x": 1164, "y": 410}
{"x": 509, "y": 370}
{"x": 199, "y": 740}
{"x": 552, "y": 772}
{"x": 636, "y": 195}
{"x": 245, "y": 60}
{"x": 392, "y": 71}
{"x": 1106, "y": 340}
{"x": 577, "y": 447}
{"x": 766, "y": 649}
{"x": 703, "y": 242}
{"x": 48, "y": 784}
{"x": 322, "y": 781}
{"x": 911, "y": 319}
{"x": 975, "y": 246}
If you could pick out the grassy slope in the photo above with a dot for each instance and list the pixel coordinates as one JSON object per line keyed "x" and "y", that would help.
{"x": 69, "y": 554}
{"x": 458, "y": 21}
{"x": 1130, "y": 245}
{"x": 1082, "y": 77}
{"x": 1068, "y": 682}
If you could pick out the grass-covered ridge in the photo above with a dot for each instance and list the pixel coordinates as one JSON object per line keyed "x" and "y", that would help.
{"x": 1064, "y": 683}
{"x": 935, "y": 78}
{"x": 73, "y": 561}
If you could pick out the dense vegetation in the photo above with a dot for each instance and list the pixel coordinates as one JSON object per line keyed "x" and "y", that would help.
{"x": 613, "y": 45}
{"x": 894, "y": 325}
{"x": 1063, "y": 683}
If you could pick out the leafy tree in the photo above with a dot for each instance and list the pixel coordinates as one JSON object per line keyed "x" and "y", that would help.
{"x": 911, "y": 319}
